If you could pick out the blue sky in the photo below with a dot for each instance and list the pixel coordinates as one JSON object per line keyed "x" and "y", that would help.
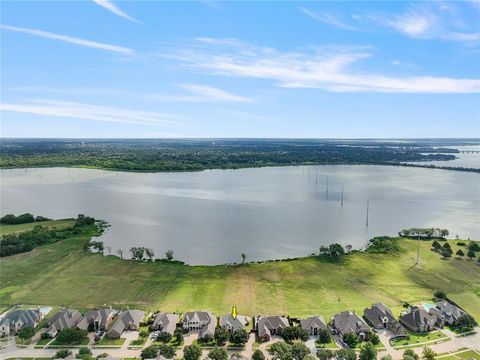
{"x": 240, "y": 69}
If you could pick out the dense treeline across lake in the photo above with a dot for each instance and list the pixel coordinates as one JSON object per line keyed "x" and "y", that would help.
{"x": 26, "y": 218}
{"x": 19, "y": 242}
{"x": 192, "y": 155}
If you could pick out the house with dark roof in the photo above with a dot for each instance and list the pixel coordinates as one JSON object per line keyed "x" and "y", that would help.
{"x": 96, "y": 319}
{"x": 128, "y": 320}
{"x": 446, "y": 313}
{"x": 165, "y": 322}
{"x": 347, "y": 322}
{"x": 381, "y": 317}
{"x": 64, "y": 319}
{"x": 313, "y": 324}
{"x": 268, "y": 326}
{"x": 203, "y": 321}
{"x": 232, "y": 324}
{"x": 15, "y": 320}
{"x": 418, "y": 320}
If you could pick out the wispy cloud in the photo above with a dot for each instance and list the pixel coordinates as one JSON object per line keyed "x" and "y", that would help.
{"x": 75, "y": 110}
{"x": 69, "y": 39}
{"x": 330, "y": 68}
{"x": 208, "y": 93}
{"x": 328, "y": 19}
{"x": 115, "y": 9}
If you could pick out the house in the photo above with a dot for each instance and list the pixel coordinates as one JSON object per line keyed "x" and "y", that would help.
{"x": 64, "y": 319}
{"x": 96, "y": 319}
{"x": 347, "y": 322}
{"x": 313, "y": 324}
{"x": 232, "y": 324}
{"x": 270, "y": 325}
{"x": 15, "y": 320}
{"x": 381, "y": 317}
{"x": 446, "y": 313}
{"x": 165, "y": 322}
{"x": 418, "y": 320}
{"x": 126, "y": 320}
{"x": 204, "y": 321}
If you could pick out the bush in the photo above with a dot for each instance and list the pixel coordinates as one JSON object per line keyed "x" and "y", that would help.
{"x": 258, "y": 355}
{"x": 325, "y": 354}
{"x": 71, "y": 336}
{"x": 45, "y": 336}
{"x": 324, "y": 336}
{"x": 440, "y": 294}
{"x": 167, "y": 351}
{"x": 150, "y": 352}
{"x": 192, "y": 352}
{"x": 374, "y": 339}
{"x": 62, "y": 354}
{"x": 218, "y": 354}
{"x": 164, "y": 337}
{"x": 239, "y": 337}
{"x": 351, "y": 339}
{"x": 368, "y": 352}
{"x": 26, "y": 333}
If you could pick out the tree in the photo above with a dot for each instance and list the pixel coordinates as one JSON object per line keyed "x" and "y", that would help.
{"x": 169, "y": 255}
{"x": 178, "y": 333}
{"x": 221, "y": 335}
{"x": 368, "y": 352}
{"x": 149, "y": 253}
{"x": 336, "y": 251}
{"x": 26, "y": 333}
{"x": 243, "y": 258}
{"x": 218, "y": 354}
{"x": 466, "y": 322}
{"x": 374, "y": 339}
{"x": 62, "y": 354}
{"x": 471, "y": 254}
{"x": 84, "y": 353}
{"x": 346, "y": 354}
{"x": 71, "y": 336}
{"x": 440, "y": 294}
{"x": 299, "y": 351}
{"x": 410, "y": 354}
{"x": 258, "y": 355}
{"x": 324, "y": 336}
{"x": 446, "y": 253}
{"x": 474, "y": 246}
{"x": 447, "y": 246}
{"x": 348, "y": 248}
{"x": 120, "y": 253}
{"x": 280, "y": 351}
{"x": 351, "y": 339}
{"x": 436, "y": 245}
{"x": 460, "y": 253}
{"x": 325, "y": 354}
{"x": 239, "y": 337}
{"x": 386, "y": 357}
{"x": 192, "y": 352}
{"x": 428, "y": 354}
{"x": 164, "y": 337}
{"x": 150, "y": 352}
{"x": 167, "y": 351}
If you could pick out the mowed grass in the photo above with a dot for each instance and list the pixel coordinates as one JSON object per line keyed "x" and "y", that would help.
{"x": 59, "y": 224}
{"x": 61, "y": 274}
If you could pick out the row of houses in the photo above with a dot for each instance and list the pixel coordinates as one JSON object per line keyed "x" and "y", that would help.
{"x": 378, "y": 316}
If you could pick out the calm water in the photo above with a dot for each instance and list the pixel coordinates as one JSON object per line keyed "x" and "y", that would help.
{"x": 211, "y": 217}
{"x": 467, "y": 160}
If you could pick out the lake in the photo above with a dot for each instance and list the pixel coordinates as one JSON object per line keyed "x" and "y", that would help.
{"x": 211, "y": 217}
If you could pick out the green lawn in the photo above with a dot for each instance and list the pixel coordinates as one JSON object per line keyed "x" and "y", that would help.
{"x": 110, "y": 342}
{"x": 61, "y": 274}
{"x": 80, "y": 343}
{"x": 138, "y": 342}
{"x": 469, "y": 354}
{"x": 59, "y": 224}
{"x": 330, "y": 345}
{"x": 418, "y": 338}
{"x": 43, "y": 342}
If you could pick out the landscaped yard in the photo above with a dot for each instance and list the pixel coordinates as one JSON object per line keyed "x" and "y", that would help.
{"x": 468, "y": 354}
{"x": 138, "y": 342}
{"x": 297, "y": 288}
{"x": 43, "y": 342}
{"x": 330, "y": 345}
{"x": 418, "y": 339}
{"x": 80, "y": 343}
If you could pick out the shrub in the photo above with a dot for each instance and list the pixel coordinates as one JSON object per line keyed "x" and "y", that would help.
{"x": 164, "y": 337}
{"x": 351, "y": 339}
{"x": 368, "y": 352}
{"x": 62, "y": 354}
{"x": 192, "y": 352}
{"x": 167, "y": 351}
{"x": 218, "y": 354}
{"x": 150, "y": 352}
{"x": 440, "y": 294}
{"x": 258, "y": 355}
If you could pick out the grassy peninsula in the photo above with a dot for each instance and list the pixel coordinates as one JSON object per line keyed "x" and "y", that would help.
{"x": 61, "y": 273}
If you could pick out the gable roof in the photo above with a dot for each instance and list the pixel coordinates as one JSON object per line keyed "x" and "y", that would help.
{"x": 377, "y": 313}
{"x": 28, "y": 317}
{"x": 166, "y": 322}
{"x": 64, "y": 319}
{"x": 100, "y": 315}
{"x": 238, "y": 323}
{"x": 347, "y": 321}
{"x": 268, "y": 323}
{"x": 313, "y": 322}
{"x": 418, "y": 317}
{"x": 447, "y": 310}
{"x": 198, "y": 316}
{"x": 126, "y": 319}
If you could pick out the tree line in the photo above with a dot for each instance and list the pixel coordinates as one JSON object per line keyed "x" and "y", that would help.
{"x": 26, "y": 218}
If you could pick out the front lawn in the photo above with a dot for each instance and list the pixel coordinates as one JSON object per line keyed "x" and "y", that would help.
{"x": 105, "y": 341}
{"x": 55, "y": 343}
{"x": 330, "y": 345}
{"x": 43, "y": 342}
{"x": 138, "y": 342}
{"x": 414, "y": 339}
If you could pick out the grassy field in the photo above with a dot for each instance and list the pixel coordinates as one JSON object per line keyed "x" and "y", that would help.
{"x": 468, "y": 354}
{"x": 61, "y": 274}
{"x": 59, "y": 224}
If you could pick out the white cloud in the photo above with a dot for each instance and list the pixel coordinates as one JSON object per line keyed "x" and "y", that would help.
{"x": 328, "y": 19}
{"x": 69, "y": 39}
{"x": 115, "y": 9}
{"x": 212, "y": 93}
{"x": 327, "y": 68}
{"x": 75, "y": 110}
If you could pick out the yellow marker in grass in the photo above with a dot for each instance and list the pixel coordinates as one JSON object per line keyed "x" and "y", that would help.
{"x": 234, "y": 312}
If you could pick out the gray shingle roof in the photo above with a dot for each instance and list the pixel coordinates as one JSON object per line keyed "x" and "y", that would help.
{"x": 346, "y": 322}
{"x": 166, "y": 322}
{"x": 100, "y": 315}
{"x": 64, "y": 319}
{"x": 29, "y": 317}
{"x": 234, "y": 324}
{"x": 266, "y": 324}
{"x": 417, "y": 318}
{"x": 125, "y": 320}
{"x": 312, "y": 323}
